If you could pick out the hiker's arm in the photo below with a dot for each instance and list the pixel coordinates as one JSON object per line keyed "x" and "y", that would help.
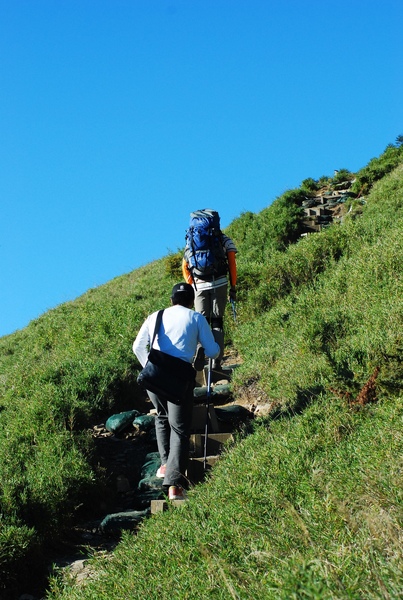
{"x": 232, "y": 274}
{"x": 186, "y": 273}
{"x": 232, "y": 267}
{"x": 141, "y": 343}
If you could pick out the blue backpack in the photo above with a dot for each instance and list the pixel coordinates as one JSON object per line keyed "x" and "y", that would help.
{"x": 204, "y": 252}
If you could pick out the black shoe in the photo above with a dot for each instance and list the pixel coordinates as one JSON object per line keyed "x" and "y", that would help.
{"x": 200, "y": 359}
{"x": 216, "y": 365}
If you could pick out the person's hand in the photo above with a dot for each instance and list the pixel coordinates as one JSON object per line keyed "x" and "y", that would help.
{"x": 232, "y": 294}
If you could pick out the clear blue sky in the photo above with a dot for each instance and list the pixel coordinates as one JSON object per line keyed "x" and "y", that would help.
{"x": 120, "y": 117}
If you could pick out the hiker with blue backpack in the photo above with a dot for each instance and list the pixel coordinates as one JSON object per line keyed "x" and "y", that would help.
{"x": 209, "y": 265}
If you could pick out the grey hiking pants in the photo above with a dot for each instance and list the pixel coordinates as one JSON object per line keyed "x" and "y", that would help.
{"x": 211, "y": 303}
{"x": 172, "y": 428}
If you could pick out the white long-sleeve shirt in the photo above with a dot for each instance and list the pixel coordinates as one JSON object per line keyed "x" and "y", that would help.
{"x": 182, "y": 329}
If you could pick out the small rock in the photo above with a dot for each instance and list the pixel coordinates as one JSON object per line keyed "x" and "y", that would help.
{"x": 77, "y": 566}
{"x": 262, "y": 410}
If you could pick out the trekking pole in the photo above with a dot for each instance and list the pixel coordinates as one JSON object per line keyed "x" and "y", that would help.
{"x": 210, "y": 366}
{"x": 233, "y": 309}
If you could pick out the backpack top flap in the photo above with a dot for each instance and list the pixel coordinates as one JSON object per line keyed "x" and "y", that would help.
{"x": 206, "y": 215}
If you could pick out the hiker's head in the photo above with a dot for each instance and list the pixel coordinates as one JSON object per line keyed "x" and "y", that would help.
{"x": 183, "y": 294}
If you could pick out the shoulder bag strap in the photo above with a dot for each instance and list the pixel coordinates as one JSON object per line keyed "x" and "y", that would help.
{"x": 157, "y": 326}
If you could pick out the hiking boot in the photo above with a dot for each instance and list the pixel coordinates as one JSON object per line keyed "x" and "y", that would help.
{"x": 161, "y": 472}
{"x": 176, "y": 492}
{"x": 200, "y": 359}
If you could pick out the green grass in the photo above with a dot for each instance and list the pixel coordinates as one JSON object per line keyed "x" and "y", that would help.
{"x": 317, "y": 513}
{"x": 306, "y": 505}
{"x": 336, "y": 322}
{"x": 61, "y": 373}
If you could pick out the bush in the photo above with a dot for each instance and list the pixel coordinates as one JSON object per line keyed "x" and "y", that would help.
{"x": 173, "y": 265}
{"x": 376, "y": 169}
{"x": 310, "y": 185}
{"x": 341, "y": 176}
{"x": 271, "y": 230}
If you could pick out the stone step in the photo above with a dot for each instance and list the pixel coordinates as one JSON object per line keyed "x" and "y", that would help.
{"x": 161, "y": 505}
{"x": 198, "y": 466}
{"x": 215, "y": 442}
{"x": 199, "y": 418}
{"x": 197, "y": 470}
{"x": 222, "y": 374}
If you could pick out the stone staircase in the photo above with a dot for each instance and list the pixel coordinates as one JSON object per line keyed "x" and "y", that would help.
{"x": 323, "y": 208}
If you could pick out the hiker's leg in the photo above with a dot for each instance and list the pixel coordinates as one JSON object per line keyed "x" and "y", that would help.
{"x": 162, "y": 428}
{"x": 203, "y": 303}
{"x": 180, "y": 420}
{"x": 218, "y": 304}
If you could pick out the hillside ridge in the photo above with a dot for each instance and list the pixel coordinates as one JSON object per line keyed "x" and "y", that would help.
{"x": 316, "y": 317}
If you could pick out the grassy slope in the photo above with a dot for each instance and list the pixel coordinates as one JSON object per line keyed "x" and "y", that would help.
{"x": 308, "y": 507}
{"x": 310, "y": 503}
{"x": 57, "y": 376}
{"x": 345, "y": 321}
{"x": 298, "y": 507}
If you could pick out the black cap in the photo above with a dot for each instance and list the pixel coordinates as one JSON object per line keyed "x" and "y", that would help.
{"x": 182, "y": 293}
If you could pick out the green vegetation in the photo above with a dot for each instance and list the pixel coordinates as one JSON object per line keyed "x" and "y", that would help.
{"x": 307, "y": 507}
{"x": 58, "y": 376}
{"x": 378, "y": 168}
{"x": 306, "y": 504}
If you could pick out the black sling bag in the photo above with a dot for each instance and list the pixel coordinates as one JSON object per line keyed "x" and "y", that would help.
{"x": 164, "y": 375}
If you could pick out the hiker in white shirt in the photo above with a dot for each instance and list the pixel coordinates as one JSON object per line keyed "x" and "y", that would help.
{"x": 182, "y": 330}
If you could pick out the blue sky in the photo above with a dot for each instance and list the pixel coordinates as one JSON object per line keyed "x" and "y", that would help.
{"x": 120, "y": 117}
